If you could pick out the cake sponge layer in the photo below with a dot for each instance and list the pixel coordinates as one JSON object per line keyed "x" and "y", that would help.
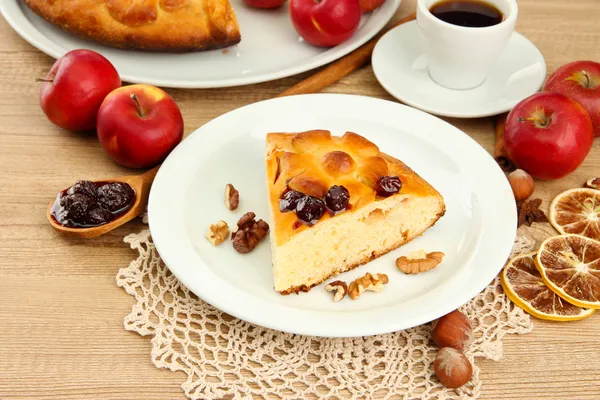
{"x": 350, "y": 239}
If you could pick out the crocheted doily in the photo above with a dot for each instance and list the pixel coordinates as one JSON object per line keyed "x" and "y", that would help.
{"x": 226, "y": 358}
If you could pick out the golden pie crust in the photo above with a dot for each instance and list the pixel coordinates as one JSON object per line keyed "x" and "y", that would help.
{"x": 313, "y": 161}
{"x": 154, "y": 25}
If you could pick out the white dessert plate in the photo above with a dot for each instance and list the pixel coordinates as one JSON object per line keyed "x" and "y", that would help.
{"x": 476, "y": 234}
{"x": 270, "y": 49}
{"x": 401, "y": 68}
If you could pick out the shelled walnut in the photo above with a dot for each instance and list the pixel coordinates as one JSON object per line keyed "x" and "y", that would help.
{"x": 340, "y": 289}
{"x": 217, "y": 233}
{"x": 419, "y": 261}
{"x": 249, "y": 233}
{"x": 367, "y": 282}
{"x": 232, "y": 197}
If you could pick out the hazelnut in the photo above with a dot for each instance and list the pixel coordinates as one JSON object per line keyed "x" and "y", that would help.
{"x": 452, "y": 330}
{"x": 452, "y": 368}
{"x": 522, "y": 184}
{"x": 593, "y": 183}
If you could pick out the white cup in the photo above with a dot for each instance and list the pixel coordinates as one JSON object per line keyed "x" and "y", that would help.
{"x": 460, "y": 57}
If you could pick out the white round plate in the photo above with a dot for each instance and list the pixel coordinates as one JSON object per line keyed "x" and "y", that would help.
{"x": 270, "y": 49}
{"x": 476, "y": 234}
{"x": 401, "y": 68}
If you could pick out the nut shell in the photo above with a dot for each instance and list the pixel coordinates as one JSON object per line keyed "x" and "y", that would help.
{"x": 593, "y": 183}
{"x": 452, "y": 368}
{"x": 452, "y": 330}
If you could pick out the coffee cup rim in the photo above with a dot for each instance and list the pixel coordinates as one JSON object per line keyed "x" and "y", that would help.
{"x": 509, "y": 18}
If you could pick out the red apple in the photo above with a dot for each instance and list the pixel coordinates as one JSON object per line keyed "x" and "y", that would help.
{"x": 370, "y": 5}
{"x": 579, "y": 80}
{"x": 74, "y": 88}
{"x": 325, "y": 23}
{"x": 139, "y": 125}
{"x": 265, "y": 3}
{"x": 548, "y": 135}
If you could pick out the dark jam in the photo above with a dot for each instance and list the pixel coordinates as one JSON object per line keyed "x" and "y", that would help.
{"x": 87, "y": 204}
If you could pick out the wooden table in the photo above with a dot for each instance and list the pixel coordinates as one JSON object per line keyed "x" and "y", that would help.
{"x": 61, "y": 313}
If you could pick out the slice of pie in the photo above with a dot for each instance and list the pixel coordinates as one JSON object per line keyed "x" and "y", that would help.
{"x": 165, "y": 25}
{"x": 337, "y": 203}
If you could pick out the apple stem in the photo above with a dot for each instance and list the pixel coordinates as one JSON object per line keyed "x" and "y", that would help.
{"x": 588, "y": 81}
{"x": 44, "y": 80}
{"x": 137, "y": 104}
{"x": 539, "y": 118}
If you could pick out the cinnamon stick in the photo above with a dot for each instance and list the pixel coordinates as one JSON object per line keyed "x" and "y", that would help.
{"x": 500, "y": 153}
{"x": 342, "y": 67}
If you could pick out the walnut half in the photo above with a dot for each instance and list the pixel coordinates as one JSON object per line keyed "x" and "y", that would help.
{"x": 340, "y": 289}
{"x": 232, "y": 197}
{"x": 368, "y": 282}
{"x": 217, "y": 233}
{"x": 419, "y": 261}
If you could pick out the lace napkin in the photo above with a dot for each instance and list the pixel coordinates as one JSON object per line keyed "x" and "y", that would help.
{"x": 226, "y": 358}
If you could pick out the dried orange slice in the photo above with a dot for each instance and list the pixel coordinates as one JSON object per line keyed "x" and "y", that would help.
{"x": 525, "y": 287}
{"x": 577, "y": 211}
{"x": 570, "y": 266}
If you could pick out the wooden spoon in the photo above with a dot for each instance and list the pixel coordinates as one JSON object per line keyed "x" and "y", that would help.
{"x": 140, "y": 184}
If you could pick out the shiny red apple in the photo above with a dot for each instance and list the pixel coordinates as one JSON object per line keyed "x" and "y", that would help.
{"x": 74, "y": 88}
{"x": 265, "y": 3}
{"x": 139, "y": 125}
{"x": 579, "y": 80}
{"x": 548, "y": 135}
{"x": 325, "y": 23}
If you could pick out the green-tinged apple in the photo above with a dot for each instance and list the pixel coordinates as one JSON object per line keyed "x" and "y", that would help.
{"x": 548, "y": 135}
{"x": 325, "y": 23}
{"x": 579, "y": 80}
{"x": 139, "y": 125}
{"x": 74, "y": 88}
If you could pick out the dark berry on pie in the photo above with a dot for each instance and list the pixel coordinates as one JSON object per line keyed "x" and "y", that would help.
{"x": 289, "y": 200}
{"x": 310, "y": 209}
{"x": 388, "y": 185}
{"x": 337, "y": 198}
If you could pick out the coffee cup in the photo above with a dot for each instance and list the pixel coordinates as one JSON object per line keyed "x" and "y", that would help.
{"x": 460, "y": 57}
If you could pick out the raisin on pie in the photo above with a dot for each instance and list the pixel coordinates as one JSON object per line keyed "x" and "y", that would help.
{"x": 156, "y": 25}
{"x": 337, "y": 203}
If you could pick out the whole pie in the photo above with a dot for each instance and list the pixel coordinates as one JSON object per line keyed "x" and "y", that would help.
{"x": 158, "y": 25}
{"x": 337, "y": 203}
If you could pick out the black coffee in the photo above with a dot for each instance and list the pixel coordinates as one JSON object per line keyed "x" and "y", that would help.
{"x": 469, "y": 13}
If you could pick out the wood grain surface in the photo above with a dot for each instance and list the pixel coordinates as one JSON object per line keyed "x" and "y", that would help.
{"x": 61, "y": 313}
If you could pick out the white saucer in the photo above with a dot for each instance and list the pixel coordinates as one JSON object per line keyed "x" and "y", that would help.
{"x": 401, "y": 68}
